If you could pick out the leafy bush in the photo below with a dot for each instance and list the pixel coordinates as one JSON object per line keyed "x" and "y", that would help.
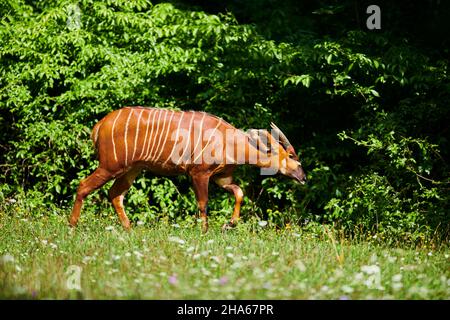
{"x": 368, "y": 111}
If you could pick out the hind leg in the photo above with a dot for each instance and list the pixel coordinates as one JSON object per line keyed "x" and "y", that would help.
{"x": 226, "y": 182}
{"x": 117, "y": 193}
{"x": 97, "y": 179}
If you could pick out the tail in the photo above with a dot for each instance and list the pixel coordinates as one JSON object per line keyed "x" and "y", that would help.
{"x": 94, "y": 134}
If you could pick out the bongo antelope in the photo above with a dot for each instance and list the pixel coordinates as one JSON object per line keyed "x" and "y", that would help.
{"x": 168, "y": 142}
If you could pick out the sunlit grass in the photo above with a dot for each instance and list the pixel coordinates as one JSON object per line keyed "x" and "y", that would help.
{"x": 38, "y": 257}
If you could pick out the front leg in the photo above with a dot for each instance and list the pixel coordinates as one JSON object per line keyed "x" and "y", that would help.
{"x": 200, "y": 183}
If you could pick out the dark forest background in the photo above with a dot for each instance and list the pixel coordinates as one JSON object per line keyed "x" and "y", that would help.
{"x": 367, "y": 110}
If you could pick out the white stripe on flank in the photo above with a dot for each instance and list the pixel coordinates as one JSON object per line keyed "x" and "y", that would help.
{"x": 146, "y": 133}
{"x": 167, "y": 134}
{"x": 209, "y": 140}
{"x": 200, "y": 135}
{"x": 112, "y": 134}
{"x": 125, "y": 136}
{"x": 161, "y": 134}
{"x": 189, "y": 137}
{"x": 156, "y": 134}
{"x": 151, "y": 133}
{"x": 176, "y": 137}
{"x": 137, "y": 134}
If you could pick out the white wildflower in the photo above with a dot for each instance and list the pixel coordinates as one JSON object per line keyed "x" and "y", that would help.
{"x": 7, "y": 258}
{"x": 300, "y": 265}
{"x": 397, "y": 278}
{"x": 176, "y": 240}
{"x": 347, "y": 289}
{"x": 215, "y": 258}
{"x": 262, "y": 223}
{"x": 372, "y": 269}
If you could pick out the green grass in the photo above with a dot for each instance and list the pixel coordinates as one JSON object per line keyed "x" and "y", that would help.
{"x": 164, "y": 261}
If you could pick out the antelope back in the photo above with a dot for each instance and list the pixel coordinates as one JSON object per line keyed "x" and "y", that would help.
{"x": 157, "y": 137}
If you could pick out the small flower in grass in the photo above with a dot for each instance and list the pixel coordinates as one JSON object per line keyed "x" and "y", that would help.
{"x": 115, "y": 257}
{"x": 325, "y": 288}
{"x": 7, "y": 258}
{"x": 397, "y": 278}
{"x": 176, "y": 240}
{"x": 210, "y": 241}
{"x": 300, "y": 265}
{"x": 173, "y": 279}
{"x": 267, "y": 285}
{"x": 262, "y": 223}
{"x": 109, "y": 228}
{"x": 205, "y": 272}
{"x": 397, "y": 282}
{"x": 176, "y": 225}
{"x": 347, "y": 289}
{"x": 372, "y": 269}
{"x": 205, "y": 253}
{"x": 53, "y": 245}
{"x": 344, "y": 298}
{"x": 430, "y": 254}
{"x": 140, "y": 223}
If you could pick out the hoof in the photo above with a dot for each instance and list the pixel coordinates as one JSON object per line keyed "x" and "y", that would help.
{"x": 228, "y": 226}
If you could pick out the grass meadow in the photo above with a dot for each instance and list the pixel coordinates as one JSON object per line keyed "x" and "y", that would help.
{"x": 43, "y": 258}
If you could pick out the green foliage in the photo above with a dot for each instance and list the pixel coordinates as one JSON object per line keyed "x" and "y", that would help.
{"x": 367, "y": 111}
